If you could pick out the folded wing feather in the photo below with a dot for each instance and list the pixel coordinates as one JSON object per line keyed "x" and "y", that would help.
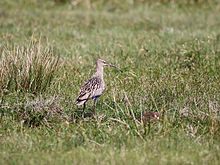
{"x": 88, "y": 90}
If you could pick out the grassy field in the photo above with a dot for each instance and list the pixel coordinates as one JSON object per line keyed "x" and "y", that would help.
{"x": 169, "y": 59}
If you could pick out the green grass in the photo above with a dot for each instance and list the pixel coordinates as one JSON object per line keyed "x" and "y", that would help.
{"x": 169, "y": 56}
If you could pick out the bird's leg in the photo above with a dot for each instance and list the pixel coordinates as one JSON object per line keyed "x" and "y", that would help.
{"x": 84, "y": 107}
{"x": 94, "y": 106}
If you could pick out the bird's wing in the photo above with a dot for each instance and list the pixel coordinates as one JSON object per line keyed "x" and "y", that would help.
{"x": 88, "y": 89}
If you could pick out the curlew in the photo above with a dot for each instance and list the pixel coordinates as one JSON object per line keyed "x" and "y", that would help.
{"x": 94, "y": 87}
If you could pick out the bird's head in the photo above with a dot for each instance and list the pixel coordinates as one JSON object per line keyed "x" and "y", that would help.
{"x": 101, "y": 62}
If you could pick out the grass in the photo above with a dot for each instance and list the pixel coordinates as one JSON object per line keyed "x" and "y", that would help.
{"x": 26, "y": 69}
{"x": 169, "y": 55}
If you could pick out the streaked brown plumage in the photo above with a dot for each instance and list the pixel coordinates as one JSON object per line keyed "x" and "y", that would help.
{"x": 88, "y": 90}
{"x": 94, "y": 87}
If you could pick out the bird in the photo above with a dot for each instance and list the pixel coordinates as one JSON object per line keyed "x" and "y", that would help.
{"x": 94, "y": 87}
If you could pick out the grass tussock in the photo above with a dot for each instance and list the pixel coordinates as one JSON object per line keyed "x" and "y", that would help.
{"x": 29, "y": 68}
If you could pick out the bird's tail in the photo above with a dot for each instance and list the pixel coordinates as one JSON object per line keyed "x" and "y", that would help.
{"x": 80, "y": 102}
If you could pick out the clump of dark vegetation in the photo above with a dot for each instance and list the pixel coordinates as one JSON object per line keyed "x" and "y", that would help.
{"x": 61, "y": 1}
{"x": 40, "y": 111}
{"x": 115, "y": 5}
{"x": 35, "y": 112}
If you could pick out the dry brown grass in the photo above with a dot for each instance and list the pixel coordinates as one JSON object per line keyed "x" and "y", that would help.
{"x": 28, "y": 68}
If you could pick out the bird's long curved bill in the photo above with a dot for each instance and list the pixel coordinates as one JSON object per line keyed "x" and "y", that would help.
{"x": 111, "y": 65}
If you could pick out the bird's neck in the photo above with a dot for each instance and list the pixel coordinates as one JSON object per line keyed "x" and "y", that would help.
{"x": 99, "y": 71}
